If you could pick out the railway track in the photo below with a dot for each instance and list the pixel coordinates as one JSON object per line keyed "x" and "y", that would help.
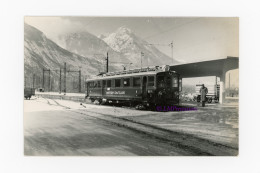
{"x": 187, "y": 142}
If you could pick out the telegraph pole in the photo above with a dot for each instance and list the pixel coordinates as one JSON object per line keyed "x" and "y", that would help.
{"x": 216, "y": 86}
{"x": 60, "y": 80}
{"x": 33, "y": 79}
{"x": 79, "y": 71}
{"x": 107, "y": 62}
{"x": 65, "y": 78}
{"x": 49, "y": 80}
{"x": 229, "y": 82}
{"x": 171, "y": 45}
{"x": 229, "y": 85}
{"x": 42, "y": 78}
{"x": 142, "y": 54}
{"x": 79, "y": 81}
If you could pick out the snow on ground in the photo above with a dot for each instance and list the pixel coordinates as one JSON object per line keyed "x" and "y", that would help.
{"x": 39, "y": 104}
{"x": 215, "y": 122}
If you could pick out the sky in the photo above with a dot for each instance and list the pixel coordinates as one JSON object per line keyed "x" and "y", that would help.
{"x": 194, "y": 38}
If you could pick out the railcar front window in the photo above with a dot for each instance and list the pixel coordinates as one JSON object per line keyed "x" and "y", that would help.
{"x": 175, "y": 82}
{"x": 161, "y": 82}
{"x": 168, "y": 81}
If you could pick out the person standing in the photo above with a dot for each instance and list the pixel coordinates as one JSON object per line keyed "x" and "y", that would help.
{"x": 203, "y": 93}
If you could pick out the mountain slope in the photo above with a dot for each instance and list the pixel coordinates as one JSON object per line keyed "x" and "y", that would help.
{"x": 88, "y": 45}
{"x": 125, "y": 41}
{"x": 40, "y": 52}
{"x": 123, "y": 46}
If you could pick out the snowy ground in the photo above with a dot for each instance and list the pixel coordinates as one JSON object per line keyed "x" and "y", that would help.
{"x": 52, "y": 128}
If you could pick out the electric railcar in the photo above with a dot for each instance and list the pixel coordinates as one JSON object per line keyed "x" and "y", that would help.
{"x": 146, "y": 86}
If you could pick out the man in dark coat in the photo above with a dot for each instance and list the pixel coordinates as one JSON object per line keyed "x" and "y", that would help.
{"x": 203, "y": 93}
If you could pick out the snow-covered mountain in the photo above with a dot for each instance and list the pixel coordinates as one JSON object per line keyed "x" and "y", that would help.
{"x": 126, "y": 42}
{"x": 41, "y": 52}
{"x": 123, "y": 46}
{"x": 89, "y": 45}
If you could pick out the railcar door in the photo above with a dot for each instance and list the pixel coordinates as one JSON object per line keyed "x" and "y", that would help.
{"x": 144, "y": 87}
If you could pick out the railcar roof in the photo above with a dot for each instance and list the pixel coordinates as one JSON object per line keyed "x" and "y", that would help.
{"x": 125, "y": 75}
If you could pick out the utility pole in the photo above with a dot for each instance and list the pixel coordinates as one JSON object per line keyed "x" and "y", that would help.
{"x": 65, "y": 72}
{"x": 79, "y": 81}
{"x": 60, "y": 80}
{"x": 171, "y": 45}
{"x": 107, "y": 62}
{"x": 216, "y": 85}
{"x": 79, "y": 71}
{"x": 42, "y": 78}
{"x": 33, "y": 79}
{"x": 142, "y": 54}
{"x": 229, "y": 85}
{"x": 229, "y": 82}
{"x": 49, "y": 80}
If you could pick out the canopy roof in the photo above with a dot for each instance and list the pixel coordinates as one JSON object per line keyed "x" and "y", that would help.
{"x": 206, "y": 68}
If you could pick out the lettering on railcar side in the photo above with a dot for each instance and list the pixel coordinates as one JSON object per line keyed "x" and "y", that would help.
{"x": 115, "y": 92}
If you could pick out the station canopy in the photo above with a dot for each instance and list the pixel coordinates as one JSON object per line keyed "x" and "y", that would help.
{"x": 206, "y": 68}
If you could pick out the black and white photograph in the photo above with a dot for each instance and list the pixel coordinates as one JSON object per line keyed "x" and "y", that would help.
{"x": 131, "y": 86}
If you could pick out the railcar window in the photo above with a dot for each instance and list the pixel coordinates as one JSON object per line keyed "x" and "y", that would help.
{"x": 161, "y": 82}
{"x": 136, "y": 81}
{"x": 91, "y": 85}
{"x": 95, "y": 84}
{"x": 117, "y": 82}
{"x": 168, "y": 81}
{"x": 108, "y": 83}
{"x": 126, "y": 82}
{"x": 98, "y": 84}
{"x": 150, "y": 80}
{"x": 104, "y": 83}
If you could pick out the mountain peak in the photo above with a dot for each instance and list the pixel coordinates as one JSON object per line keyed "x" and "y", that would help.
{"x": 123, "y": 30}
{"x": 126, "y": 42}
{"x": 121, "y": 39}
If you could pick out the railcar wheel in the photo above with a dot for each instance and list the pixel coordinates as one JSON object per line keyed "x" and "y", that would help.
{"x": 209, "y": 100}
{"x": 140, "y": 107}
